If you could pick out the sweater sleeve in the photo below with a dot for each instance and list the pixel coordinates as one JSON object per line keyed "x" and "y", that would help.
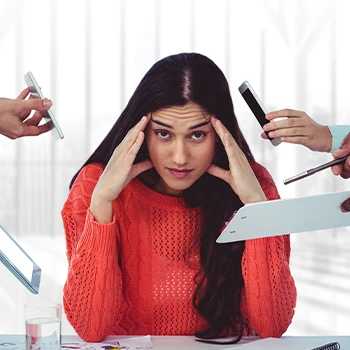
{"x": 338, "y": 134}
{"x": 92, "y": 294}
{"x": 269, "y": 293}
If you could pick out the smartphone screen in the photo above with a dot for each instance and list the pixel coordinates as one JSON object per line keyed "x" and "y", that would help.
{"x": 257, "y": 108}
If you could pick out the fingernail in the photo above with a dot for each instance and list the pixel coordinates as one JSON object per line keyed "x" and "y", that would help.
{"x": 47, "y": 103}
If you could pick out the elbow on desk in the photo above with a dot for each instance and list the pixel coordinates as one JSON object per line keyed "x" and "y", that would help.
{"x": 83, "y": 328}
{"x": 276, "y": 333}
{"x": 92, "y": 337}
{"x": 275, "y": 330}
{"x": 89, "y": 335}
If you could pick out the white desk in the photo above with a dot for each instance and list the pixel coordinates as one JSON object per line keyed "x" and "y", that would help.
{"x": 189, "y": 343}
{"x": 285, "y": 343}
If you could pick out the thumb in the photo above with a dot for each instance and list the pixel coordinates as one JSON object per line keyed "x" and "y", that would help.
{"x": 346, "y": 142}
{"x": 36, "y": 104}
{"x": 341, "y": 152}
{"x": 345, "y": 206}
{"x": 216, "y": 171}
{"x": 142, "y": 166}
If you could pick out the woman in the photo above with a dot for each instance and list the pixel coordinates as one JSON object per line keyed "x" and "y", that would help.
{"x": 144, "y": 212}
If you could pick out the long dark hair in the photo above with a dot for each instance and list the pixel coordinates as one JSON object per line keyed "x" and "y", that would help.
{"x": 175, "y": 81}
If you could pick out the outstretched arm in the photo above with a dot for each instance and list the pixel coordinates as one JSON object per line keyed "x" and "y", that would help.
{"x": 14, "y": 121}
{"x": 297, "y": 127}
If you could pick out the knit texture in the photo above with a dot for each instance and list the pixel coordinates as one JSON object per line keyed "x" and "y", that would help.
{"x": 136, "y": 275}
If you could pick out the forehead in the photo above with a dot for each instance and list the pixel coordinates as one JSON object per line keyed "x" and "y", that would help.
{"x": 189, "y": 113}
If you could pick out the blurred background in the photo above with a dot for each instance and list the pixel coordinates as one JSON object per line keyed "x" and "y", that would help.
{"x": 89, "y": 55}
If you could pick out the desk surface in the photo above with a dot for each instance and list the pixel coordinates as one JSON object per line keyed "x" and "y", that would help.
{"x": 187, "y": 342}
{"x": 285, "y": 343}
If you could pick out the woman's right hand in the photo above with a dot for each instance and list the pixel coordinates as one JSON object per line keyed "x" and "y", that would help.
{"x": 119, "y": 171}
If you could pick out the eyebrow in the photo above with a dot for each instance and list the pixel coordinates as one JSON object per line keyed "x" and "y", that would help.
{"x": 190, "y": 128}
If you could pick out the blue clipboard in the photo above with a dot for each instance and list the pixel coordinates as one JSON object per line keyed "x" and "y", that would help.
{"x": 285, "y": 216}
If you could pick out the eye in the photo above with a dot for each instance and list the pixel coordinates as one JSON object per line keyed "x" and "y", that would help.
{"x": 163, "y": 134}
{"x": 198, "y": 135}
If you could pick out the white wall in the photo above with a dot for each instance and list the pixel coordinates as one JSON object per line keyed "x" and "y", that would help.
{"x": 89, "y": 55}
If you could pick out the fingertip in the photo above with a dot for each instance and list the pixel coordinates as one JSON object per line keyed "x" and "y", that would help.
{"x": 214, "y": 121}
{"x": 336, "y": 170}
{"x": 142, "y": 119}
{"x": 47, "y": 103}
{"x": 271, "y": 115}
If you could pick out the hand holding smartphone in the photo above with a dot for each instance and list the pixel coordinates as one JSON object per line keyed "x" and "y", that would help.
{"x": 49, "y": 118}
{"x": 257, "y": 108}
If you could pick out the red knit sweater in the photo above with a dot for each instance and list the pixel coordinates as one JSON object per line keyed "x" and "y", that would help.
{"x": 130, "y": 277}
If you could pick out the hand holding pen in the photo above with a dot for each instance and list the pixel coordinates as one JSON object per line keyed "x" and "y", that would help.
{"x": 340, "y": 164}
{"x": 333, "y": 163}
{"x": 343, "y": 169}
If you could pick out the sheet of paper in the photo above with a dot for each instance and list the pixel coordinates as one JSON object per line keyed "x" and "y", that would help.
{"x": 111, "y": 343}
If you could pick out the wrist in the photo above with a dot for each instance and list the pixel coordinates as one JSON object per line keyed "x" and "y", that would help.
{"x": 326, "y": 139}
{"x": 254, "y": 199}
{"x": 101, "y": 209}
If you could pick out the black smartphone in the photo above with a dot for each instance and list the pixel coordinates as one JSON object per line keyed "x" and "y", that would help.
{"x": 49, "y": 118}
{"x": 257, "y": 108}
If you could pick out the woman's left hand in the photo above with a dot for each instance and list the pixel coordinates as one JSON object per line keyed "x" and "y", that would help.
{"x": 240, "y": 176}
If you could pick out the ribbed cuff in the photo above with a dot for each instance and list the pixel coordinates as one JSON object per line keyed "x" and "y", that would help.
{"x": 99, "y": 238}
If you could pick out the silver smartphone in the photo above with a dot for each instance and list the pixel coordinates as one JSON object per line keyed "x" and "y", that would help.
{"x": 49, "y": 118}
{"x": 20, "y": 264}
{"x": 257, "y": 108}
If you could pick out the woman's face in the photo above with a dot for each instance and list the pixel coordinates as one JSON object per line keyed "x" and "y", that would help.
{"x": 181, "y": 145}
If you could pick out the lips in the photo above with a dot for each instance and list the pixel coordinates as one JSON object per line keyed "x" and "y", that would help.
{"x": 179, "y": 173}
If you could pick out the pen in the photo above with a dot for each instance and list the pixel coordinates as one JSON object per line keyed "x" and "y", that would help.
{"x": 315, "y": 170}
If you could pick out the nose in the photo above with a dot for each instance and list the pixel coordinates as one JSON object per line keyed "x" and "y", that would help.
{"x": 180, "y": 153}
